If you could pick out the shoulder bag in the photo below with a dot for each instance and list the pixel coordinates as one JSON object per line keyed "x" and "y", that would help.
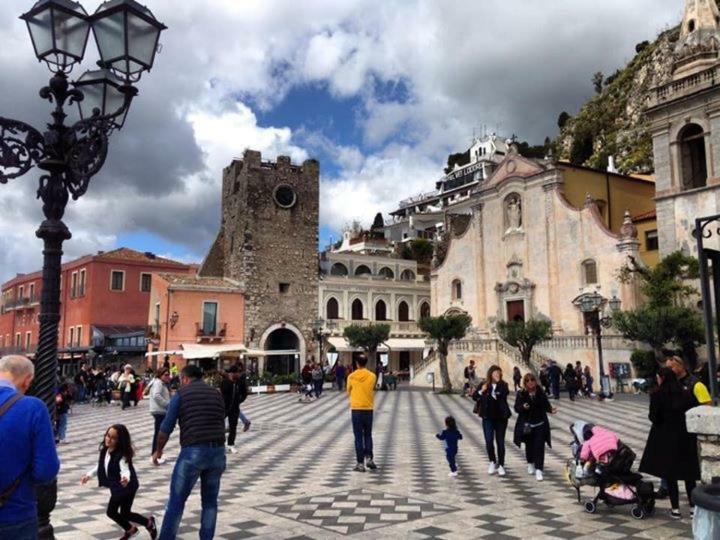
{"x": 7, "y": 492}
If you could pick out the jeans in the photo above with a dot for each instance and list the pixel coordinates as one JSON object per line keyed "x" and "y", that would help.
{"x": 362, "y": 429}
{"x": 158, "y": 421}
{"x": 244, "y": 419}
{"x": 451, "y": 455}
{"x": 340, "y": 384}
{"x": 125, "y": 400}
{"x": 25, "y": 530}
{"x": 81, "y": 393}
{"x": 494, "y": 431}
{"x": 119, "y": 509}
{"x": 62, "y": 426}
{"x": 318, "y": 387}
{"x": 206, "y": 463}
{"x": 535, "y": 447}
{"x": 555, "y": 387}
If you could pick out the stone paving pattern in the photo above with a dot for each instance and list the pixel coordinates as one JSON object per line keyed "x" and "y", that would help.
{"x": 291, "y": 477}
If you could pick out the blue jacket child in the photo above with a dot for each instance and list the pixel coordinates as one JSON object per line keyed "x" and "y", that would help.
{"x": 451, "y": 435}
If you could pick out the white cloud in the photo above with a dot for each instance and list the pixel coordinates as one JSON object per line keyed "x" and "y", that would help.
{"x": 514, "y": 65}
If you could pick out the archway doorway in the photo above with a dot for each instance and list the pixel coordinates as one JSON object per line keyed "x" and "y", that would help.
{"x": 282, "y": 339}
{"x": 693, "y": 164}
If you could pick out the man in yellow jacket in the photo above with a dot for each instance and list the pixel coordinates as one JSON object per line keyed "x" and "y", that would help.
{"x": 361, "y": 390}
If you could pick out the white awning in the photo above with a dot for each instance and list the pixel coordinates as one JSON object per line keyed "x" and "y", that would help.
{"x": 395, "y": 344}
{"x": 197, "y": 350}
{"x": 406, "y": 344}
{"x": 162, "y": 353}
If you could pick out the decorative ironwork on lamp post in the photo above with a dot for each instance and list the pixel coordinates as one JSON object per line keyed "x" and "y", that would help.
{"x": 126, "y": 34}
{"x": 592, "y": 304}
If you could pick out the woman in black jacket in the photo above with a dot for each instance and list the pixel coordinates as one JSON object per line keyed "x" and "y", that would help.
{"x": 671, "y": 452}
{"x": 532, "y": 426}
{"x": 495, "y": 413}
{"x": 571, "y": 381}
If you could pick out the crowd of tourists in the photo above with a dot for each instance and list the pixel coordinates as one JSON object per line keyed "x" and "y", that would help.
{"x": 208, "y": 418}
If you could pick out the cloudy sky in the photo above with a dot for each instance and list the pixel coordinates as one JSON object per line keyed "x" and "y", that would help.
{"x": 380, "y": 91}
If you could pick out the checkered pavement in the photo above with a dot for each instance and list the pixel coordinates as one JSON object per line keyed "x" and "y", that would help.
{"x": 291, "y": 477}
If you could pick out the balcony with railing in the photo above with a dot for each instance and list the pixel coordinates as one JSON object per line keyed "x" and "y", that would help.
{"x": 30, "y": 350}
{"x": 337, "y": 326}
{"x": 21, "y": 303}
{"x": 215, "y": 335}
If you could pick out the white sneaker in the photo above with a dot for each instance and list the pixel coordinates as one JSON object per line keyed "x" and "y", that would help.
{"x": 162, "y": 460}
{"x": 538, "y": 475}
{"x": 531, "y": 468}
{"x": 452, "y": 474}
{"x": 501, "y": 471}
{"x": 230, "y": 449}
{"x": 492, "y": 469}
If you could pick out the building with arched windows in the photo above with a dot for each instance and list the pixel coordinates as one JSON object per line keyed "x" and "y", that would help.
{"x": 365, "y": 286}
{"x": 685, "y": 128}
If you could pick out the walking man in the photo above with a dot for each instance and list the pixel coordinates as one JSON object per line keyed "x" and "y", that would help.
{"x": 361, "y": 390}
{"x": 340, "y": 376}
{"x": 554, "y": 375}
{"x": 27, "y": 449}
{"x": 234, "y": 392}
{"x": 159, "y": 403}
{"x": 200, "y": 411}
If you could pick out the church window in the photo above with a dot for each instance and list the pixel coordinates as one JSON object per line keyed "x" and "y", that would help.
{"x": 357, "y": 310}
{"x": 362, "y": 270}
{"x": 693, "y": 165}
{"x": 590, "y": 272}
{"x": 332, "y": 309}
{"x": 339, "y": 269}
{"x": 691, "y": 25}
{"x": 387, "y": 273}
{"x": 403, "y": 312}
{"x": 407, "y": 275}
{"x": 380, "y": 311}
{"x": 424, "y": 310}
{"x": 651, "y": 240}
{"x": 456, "y": 290}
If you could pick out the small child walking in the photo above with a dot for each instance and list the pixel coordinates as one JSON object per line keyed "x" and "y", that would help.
{"x": 451, "y": 435}
{"x": 115, "y": 471}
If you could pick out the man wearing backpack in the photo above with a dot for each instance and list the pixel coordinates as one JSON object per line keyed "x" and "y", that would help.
{"x": 27, "y": 449}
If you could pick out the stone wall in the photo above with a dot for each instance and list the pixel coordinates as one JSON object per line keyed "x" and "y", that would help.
{"x": 266, "y": 244}
{"x": 705, "y": 422}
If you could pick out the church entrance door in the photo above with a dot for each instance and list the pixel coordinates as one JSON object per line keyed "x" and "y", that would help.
{"x": 515, "y": 310}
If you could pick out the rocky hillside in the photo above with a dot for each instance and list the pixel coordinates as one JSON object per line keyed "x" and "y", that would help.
{"x": 612, "y": 123}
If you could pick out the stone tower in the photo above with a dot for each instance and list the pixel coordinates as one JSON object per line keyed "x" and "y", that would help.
{"x": 684, "y": 117}
{"x": 268, "y": 244}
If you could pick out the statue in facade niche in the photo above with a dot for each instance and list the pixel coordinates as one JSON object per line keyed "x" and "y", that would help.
{"x": 513, "y": 213}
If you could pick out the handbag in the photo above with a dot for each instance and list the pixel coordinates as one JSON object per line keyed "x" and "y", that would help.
{"x": 526, "y": 429}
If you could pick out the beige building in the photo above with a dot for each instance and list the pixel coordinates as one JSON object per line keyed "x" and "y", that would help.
{"x": 538, "y": 238}
{"x": 368, "y": 285}
{"x": 684, "y": 115}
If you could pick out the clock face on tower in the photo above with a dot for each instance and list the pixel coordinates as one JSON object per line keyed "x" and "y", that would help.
{"x": 285, "y": 196}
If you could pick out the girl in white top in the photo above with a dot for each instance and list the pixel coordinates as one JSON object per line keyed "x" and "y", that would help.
{"x": 115, "y": 471}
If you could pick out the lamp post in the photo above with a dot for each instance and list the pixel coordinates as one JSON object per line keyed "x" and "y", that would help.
{"x": 592, "y": 304}
{"x": 319, "y": 333}
{"x": 126, "y": 34}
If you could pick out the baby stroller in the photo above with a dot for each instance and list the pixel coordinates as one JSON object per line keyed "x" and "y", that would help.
{"x": 616, "y": 484}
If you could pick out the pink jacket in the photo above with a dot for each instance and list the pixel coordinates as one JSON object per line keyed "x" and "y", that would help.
{"x": 601, "y": 442}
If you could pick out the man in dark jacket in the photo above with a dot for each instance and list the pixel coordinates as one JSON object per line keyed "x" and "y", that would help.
{"x": 234, "y": 392}
{"x": 554, "y": 374}
{"x": 27, "y": 451}
{"x": 200, "y": 410}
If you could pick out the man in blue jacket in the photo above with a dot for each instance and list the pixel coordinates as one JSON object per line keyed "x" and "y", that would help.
{"x": 27, "y": 449}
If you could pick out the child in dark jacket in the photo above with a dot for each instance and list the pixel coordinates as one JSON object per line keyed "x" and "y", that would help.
{"x": 451, "y": 435}
{"x": 115, "y": 471}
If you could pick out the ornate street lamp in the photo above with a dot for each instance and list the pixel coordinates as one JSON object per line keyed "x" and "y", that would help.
{"x": 592, "y": 304}
{"x": 127, "y": 35}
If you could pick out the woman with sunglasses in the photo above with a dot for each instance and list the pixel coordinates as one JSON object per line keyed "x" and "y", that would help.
{"x": 533, "y": 426}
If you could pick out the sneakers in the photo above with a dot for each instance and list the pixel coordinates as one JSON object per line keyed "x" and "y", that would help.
{"x": 675, "y": 514}
{"x": 661, "y": 493}
{"x": 161, "y": 460}
{"x": 452, "y": 474}
{"x": 531, "y": 468}
{"x": 151, "y": 527}
{"x": 132, "y": 531}
{"x": 492, "y": 469}
{"x": 359, "y": 468}
{"x": 538, "y": 475}
{"x": 370, "y": 464}
{"x": 501, "y": 470}
{"x": 230, "y": 449}
{"x": 246, "y": 426}
{"x": 692, "y": 512}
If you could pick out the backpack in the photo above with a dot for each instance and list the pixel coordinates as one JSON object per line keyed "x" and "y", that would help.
{"x": 621, "y": 460}
{"x": 8, "y": 491}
